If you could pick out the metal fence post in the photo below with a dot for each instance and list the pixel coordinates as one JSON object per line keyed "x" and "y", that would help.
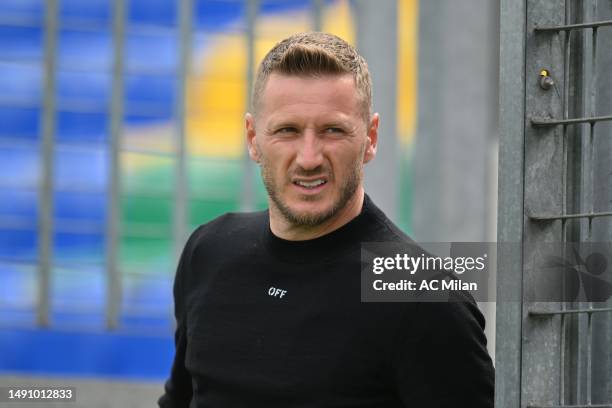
{"x": 181, "y": 194}
{"x": 114, "y": 291}
{"x": 45, "y": 194}
{"x": 247, "y": 202}
{"x": 510, "y": 202}
{"x": 602, "y": 171}
{"x": 317, "y": 14}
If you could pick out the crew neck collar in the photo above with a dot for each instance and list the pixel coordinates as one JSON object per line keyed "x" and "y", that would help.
{"x": 325, "y": 246}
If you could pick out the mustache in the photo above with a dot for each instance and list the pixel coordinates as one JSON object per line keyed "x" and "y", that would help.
{"x": 323, "y": 171}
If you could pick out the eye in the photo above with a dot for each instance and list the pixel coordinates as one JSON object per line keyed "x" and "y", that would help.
{"x": 334, "y": 130}
{"x": 286, "y": 130}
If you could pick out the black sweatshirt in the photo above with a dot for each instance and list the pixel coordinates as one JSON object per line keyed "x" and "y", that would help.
{"x": 265, "y": 322}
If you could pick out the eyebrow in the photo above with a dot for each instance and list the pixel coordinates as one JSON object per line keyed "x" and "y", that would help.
{"x": 335, "y": 124}
{"x": 294, "y": 122}
{"x": 279, "y": 125}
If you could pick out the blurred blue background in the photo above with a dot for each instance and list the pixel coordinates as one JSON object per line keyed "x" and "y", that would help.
{"x": 93, "y": 121}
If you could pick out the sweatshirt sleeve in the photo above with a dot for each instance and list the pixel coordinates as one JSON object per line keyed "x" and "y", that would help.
{"x": 441, "y": 359}
{"x": 178, "y": 391}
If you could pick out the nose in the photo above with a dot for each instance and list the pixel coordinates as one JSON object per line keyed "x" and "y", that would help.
{"x": 309, "y": 155}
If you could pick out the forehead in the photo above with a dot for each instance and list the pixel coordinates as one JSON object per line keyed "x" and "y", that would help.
{"x": 301, "y": 94}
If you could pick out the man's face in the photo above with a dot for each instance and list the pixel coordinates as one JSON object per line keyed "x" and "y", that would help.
{"x": 311, "y": 141}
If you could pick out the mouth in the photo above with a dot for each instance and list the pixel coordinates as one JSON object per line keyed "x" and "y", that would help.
{"x": 313, "y": 185}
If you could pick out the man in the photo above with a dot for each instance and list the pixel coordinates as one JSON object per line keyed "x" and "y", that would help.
{"x": 268, "y": 304}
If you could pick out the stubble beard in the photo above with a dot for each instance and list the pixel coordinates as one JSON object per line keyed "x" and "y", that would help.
{"x": 347, "y": 191}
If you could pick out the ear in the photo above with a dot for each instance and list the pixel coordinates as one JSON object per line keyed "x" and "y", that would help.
{"x": 251, "y": 138}
{"x": 372, "y": 138}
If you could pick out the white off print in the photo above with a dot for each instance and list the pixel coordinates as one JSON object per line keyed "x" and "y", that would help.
{"x": 276, "y": 292}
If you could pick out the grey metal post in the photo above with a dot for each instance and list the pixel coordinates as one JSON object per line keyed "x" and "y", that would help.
{"x": 510, "y": 202}
{"x": 317, "y": 14}
{"x": 545, "y": 191}
{"x": 457, "y": 112}
{"x": 247, "y": 201}
{"x": 585, "y": 195}
{"x": 377, "y": 42}
{"x": 45, "y": 194}
{"x": 114, "y": 295}
{"x": 431, "y": 83}
{"x": 181, "y": 193}
{"x": 602, "y": 228}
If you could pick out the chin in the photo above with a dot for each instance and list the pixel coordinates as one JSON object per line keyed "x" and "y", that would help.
{"x": 319, "y": 203}
{"x": 306, "y": 210}
{"x": 308, "y": 213}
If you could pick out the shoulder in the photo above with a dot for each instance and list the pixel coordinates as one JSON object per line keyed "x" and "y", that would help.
{"x": 213, "y": 241}
{"x": 380, "y": 227}
{"x": 460, "y": 315}
{"x": 220, "y": 235}
{"x": 455, "y": 325}
{"x": 229, "y": 226}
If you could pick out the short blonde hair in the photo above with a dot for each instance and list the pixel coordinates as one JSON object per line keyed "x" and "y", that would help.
{"x": 314, "y": 54}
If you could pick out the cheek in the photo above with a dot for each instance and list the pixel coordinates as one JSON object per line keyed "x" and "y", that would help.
{"x": 347, "y": 158}
{"x": 277, "y": 159}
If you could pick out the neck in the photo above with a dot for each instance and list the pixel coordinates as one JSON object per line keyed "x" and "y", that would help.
{"x": 292, "y": 232}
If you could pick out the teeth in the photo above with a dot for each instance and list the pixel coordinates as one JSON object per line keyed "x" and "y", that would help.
{"x": 310, "y": 184}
